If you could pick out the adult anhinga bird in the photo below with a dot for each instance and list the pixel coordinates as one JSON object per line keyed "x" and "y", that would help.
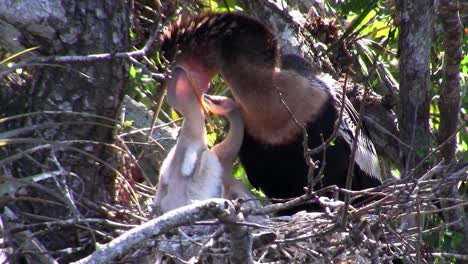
{"x": 228, "y": 150}
{"x": 247, "y": 55}
{"x": 190, "y": 171}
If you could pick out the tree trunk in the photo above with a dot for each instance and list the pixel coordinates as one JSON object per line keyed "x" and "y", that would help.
{"x": 449, "y": 107}
{"x": 100, "y": 29}
{"x": 417, "y": 17}
{"x": 450, "y": 92}
{"x": 68, "y": 27}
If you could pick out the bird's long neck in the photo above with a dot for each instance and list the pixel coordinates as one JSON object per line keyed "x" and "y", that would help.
{"x": 269, "y": 97}
{"x": 250, "y": 82}
{"x": 193, "y": 127}
{"x": 228, "y": 149}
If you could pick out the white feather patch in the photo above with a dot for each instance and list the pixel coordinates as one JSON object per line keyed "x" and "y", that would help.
{"x": 365, "y": 157}
{"x": 368, "y": 162}
{"x": 190, "y": 160}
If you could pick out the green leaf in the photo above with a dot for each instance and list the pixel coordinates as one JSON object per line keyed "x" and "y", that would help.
{"x": 128, "y": 123}
{"x": 212, "y": 137}
{"x": 354, "y": 24}
{"x": 396, "y": 173}
{"x": 363, "y": 66}
{"x": 132, "y": 72}
{"x": 158, "y": 60}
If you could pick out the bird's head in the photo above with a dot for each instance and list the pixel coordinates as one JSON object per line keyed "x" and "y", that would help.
{"x": 219, "y": 105}
{"x": 182, "y": 92}
{"x": 211, "y": 43}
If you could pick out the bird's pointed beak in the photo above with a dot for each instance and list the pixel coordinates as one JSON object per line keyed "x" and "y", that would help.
{"x": 207, "y": 101}
{"x": 198, "y": 94}
{"x": 201, "y": 100}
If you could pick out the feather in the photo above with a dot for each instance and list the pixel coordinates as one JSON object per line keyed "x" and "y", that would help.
{"x": 190, "y": 160}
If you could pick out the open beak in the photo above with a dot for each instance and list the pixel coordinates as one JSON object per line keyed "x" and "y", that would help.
{"x": 201, "y": 101}
{"x": 207, "y": 100}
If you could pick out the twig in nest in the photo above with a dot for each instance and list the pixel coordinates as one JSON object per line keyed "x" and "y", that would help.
{"x": 217, "y": 208}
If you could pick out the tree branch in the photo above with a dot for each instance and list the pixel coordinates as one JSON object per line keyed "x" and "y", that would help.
{"x": 213, "y": 208}
{"x": 450, "y": 90}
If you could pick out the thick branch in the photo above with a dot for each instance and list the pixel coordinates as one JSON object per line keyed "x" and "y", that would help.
{"x": 214, "y": 208}
{"x": 449, "y": 102}
{"x": 414, "y": 45}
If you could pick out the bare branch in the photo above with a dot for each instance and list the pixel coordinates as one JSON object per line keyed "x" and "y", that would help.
{"x": 217, "y": 208}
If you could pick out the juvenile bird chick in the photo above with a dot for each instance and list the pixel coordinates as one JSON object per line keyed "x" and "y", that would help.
{"x": 191, "y": 171}
{"x": 228, "y": 150}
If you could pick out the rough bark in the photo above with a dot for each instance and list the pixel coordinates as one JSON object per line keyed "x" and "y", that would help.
{"x": 448, "y": 195}
{"x": 450, "y": 91}
{"x": 414, "y": 45}
{"x": 68, "y": 27}
{"x": 97, "y": 28}
{"x": 449, "y": 105}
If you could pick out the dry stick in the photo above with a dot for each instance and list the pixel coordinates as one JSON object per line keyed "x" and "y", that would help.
{"x": 68, "y": 223}
{"x": 323, "y": 146}
{"x": 93, "y": 57}
{"x": 119, "y": 139}
{"x": 62, "y": 185}
{"x": 442, "y": 226}
{"x": 104, "y": 208}
{"x": 23, "y": 130}
{"x": 329, "y": 230}
{"x": 307, "y": 159}
{"x": 143, "y": 67}
{"x": 314, "y": 180}
{"x": 419, "y": 231}
{"x": 384, "y": 130}
{"x": 409, "y": 175}
{"x": 311, "y": 180}
{"x": 78, "y": 58}
{"x": 241, "y": 242}
{"x": 5, "y": 136}
{"x": 157, "y": 110}
{"x": 204, "y": 245}
{"x": 349, "y": 174}
{"x": 463, "y": 125}
{"x": 38, "y": 186}
{"x": 337, "y": 125}
{"x": 126, "y": 185}
{"x": 234, "y": 222}
{"x": 356, "y": 135}
{"x": 448, "y": 255}
{"x": 435, "y": 211}
{"x": 281, "y": 206}
{"x": 364, "y": 209}
{"x": 217, "y": 208}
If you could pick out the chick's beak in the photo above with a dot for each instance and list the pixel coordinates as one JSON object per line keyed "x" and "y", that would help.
{"x": 207, "y": 100}
{"x": 199, "y": 95}
{"x": 201, "y": 101}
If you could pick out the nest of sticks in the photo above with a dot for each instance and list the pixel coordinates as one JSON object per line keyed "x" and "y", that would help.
{"x": 389, "y": 227}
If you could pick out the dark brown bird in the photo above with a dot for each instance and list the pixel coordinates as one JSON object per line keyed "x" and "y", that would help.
{"x": 247, "y": 55}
